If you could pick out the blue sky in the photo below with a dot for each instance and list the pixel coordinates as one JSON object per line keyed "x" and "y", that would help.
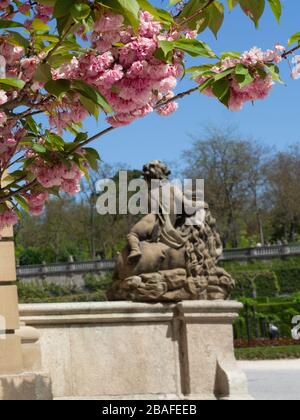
{"x": 274, "y": 121}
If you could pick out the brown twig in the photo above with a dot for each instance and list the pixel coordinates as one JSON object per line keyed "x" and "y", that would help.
{"x": 291, "y": 51}
{"x": 12, "y": 194}
{"x": 198, "y": 13}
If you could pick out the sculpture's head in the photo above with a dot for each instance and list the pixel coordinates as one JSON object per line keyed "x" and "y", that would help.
{"x": 156, "y": 170}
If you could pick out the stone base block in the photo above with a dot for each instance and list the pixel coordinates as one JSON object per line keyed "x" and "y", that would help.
{"x": 11, "y": 358}
{"x": 122, "y": 350}
{"x": 24, "y": 387}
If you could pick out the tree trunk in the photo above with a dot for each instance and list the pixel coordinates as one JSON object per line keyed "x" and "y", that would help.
{"x": 260, "y": 228}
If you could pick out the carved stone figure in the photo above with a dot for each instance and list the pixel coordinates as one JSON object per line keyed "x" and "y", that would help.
{"x": 171, "y": 256}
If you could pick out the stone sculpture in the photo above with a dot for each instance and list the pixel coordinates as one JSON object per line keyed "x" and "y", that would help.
{"x": 168, "y": 258}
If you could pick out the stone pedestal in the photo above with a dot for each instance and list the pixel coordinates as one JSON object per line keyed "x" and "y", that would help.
{"x": 120, "y": 350}
{"x": 14, "y": 355}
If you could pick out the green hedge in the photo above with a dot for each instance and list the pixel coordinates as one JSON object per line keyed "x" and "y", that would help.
{"x": 260, "y": 284}
{"x": 94, "y": 291}
{"x": 260, "y": 315}
{"x": 289, "y": 280}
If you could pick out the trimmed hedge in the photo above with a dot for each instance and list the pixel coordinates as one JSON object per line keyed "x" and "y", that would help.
{"x": 289, "y": 280}
{"x": 94, "y": 291}
{"x": 260, "y": 284}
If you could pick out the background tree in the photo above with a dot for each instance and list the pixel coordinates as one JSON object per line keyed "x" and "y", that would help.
{"x": 231, "y": 168}
{"x": 283, "y": 193}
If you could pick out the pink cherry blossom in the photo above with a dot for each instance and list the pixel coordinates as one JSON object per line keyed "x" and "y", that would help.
{"x": 3, "y": 97}
{"x": 8, "y": 218}
{"x": 36, "y": 202}
{"x": 11, "y": 53}
{"x": 109, "y": 22}
{"x": 258, "y": 88}
{"x": 168, "y": 109}
{"x": 3, "y": 118}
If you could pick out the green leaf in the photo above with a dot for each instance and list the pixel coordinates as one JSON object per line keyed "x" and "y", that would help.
{"x": 159, "y": 14}
{"x": 58, "y": 87}
{"x": 275, "y": 72}
{"x": 39, "y": 148}
{"x": 90, "y": 106}
{"x": 294, "y": 39}
{"x": 216, "y": 17}
{"x": 62, "y": 8}
{"x": 39, "y": 26}
{"x": 167, "y": 48}
{"x": 10, "y": 24}
{"x": 244, "y": 79}
{"x": 43, "y": 73}
{"x": 232, "y": 4}
{"x": 47, "y": 2}
{"x": 54, "y": 140}
{"x": 18, "y": 39}
{"x": 131, "y": 6}
{"x": 32, "y": 125}
{"x": 22, "y": 202}
{"x": 130, "y": 9}
{"x": 12, "y": 83}
{"x": 243, "y": 75}
{"x": 254, "y": 9}
{"x": 200, "y": 21}
{"x": 230, "y": 54}
{"x": 92, "y": 157}
{"x": 80, "y": 11}
{"x": 195, "y": 48}
{"x": 91, "y": 93}
{"x": 276, "y": 7}
{"x": 221, "y": 89}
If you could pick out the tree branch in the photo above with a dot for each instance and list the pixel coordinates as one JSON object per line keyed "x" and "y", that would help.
{"x": 159, "y": 105}
{"x": 12, "y": 194}
{"x": 289, "y": 52}
{"x": 198, "y": 13}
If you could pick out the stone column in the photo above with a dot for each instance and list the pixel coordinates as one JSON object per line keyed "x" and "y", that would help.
{"x": 19, "y": 353}
{"x": 11, "y": 359}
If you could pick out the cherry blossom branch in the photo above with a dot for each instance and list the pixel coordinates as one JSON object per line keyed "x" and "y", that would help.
{"x": 159, "y": 105}
{"x": 12, "y": 194}
{"x": 291, "y": 51}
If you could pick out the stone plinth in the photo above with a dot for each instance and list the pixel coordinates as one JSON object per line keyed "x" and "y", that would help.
{"x": 19, "y": 350}
{"x": 126, "y": 350}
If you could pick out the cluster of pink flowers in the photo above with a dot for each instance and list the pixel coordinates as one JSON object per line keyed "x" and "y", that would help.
{"x": 4, "y": 4}
{"x": 8, "y": 218}
{"x": 57, "y": 175}
{"x": 11, "y": 53}
{"x": 259, "y": 88}
{"x": 42, "y": 12}
{"x": 69, "y": 112}
{"x": 9, "y": 139}
{"x": 128, "y": 74}
{"x": 4, "y": 11}
{"x": 36, "y": 202}
{"x": 3, "y": 100}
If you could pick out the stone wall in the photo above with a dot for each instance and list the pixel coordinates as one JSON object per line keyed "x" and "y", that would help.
{"x": 138, "y": 351}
